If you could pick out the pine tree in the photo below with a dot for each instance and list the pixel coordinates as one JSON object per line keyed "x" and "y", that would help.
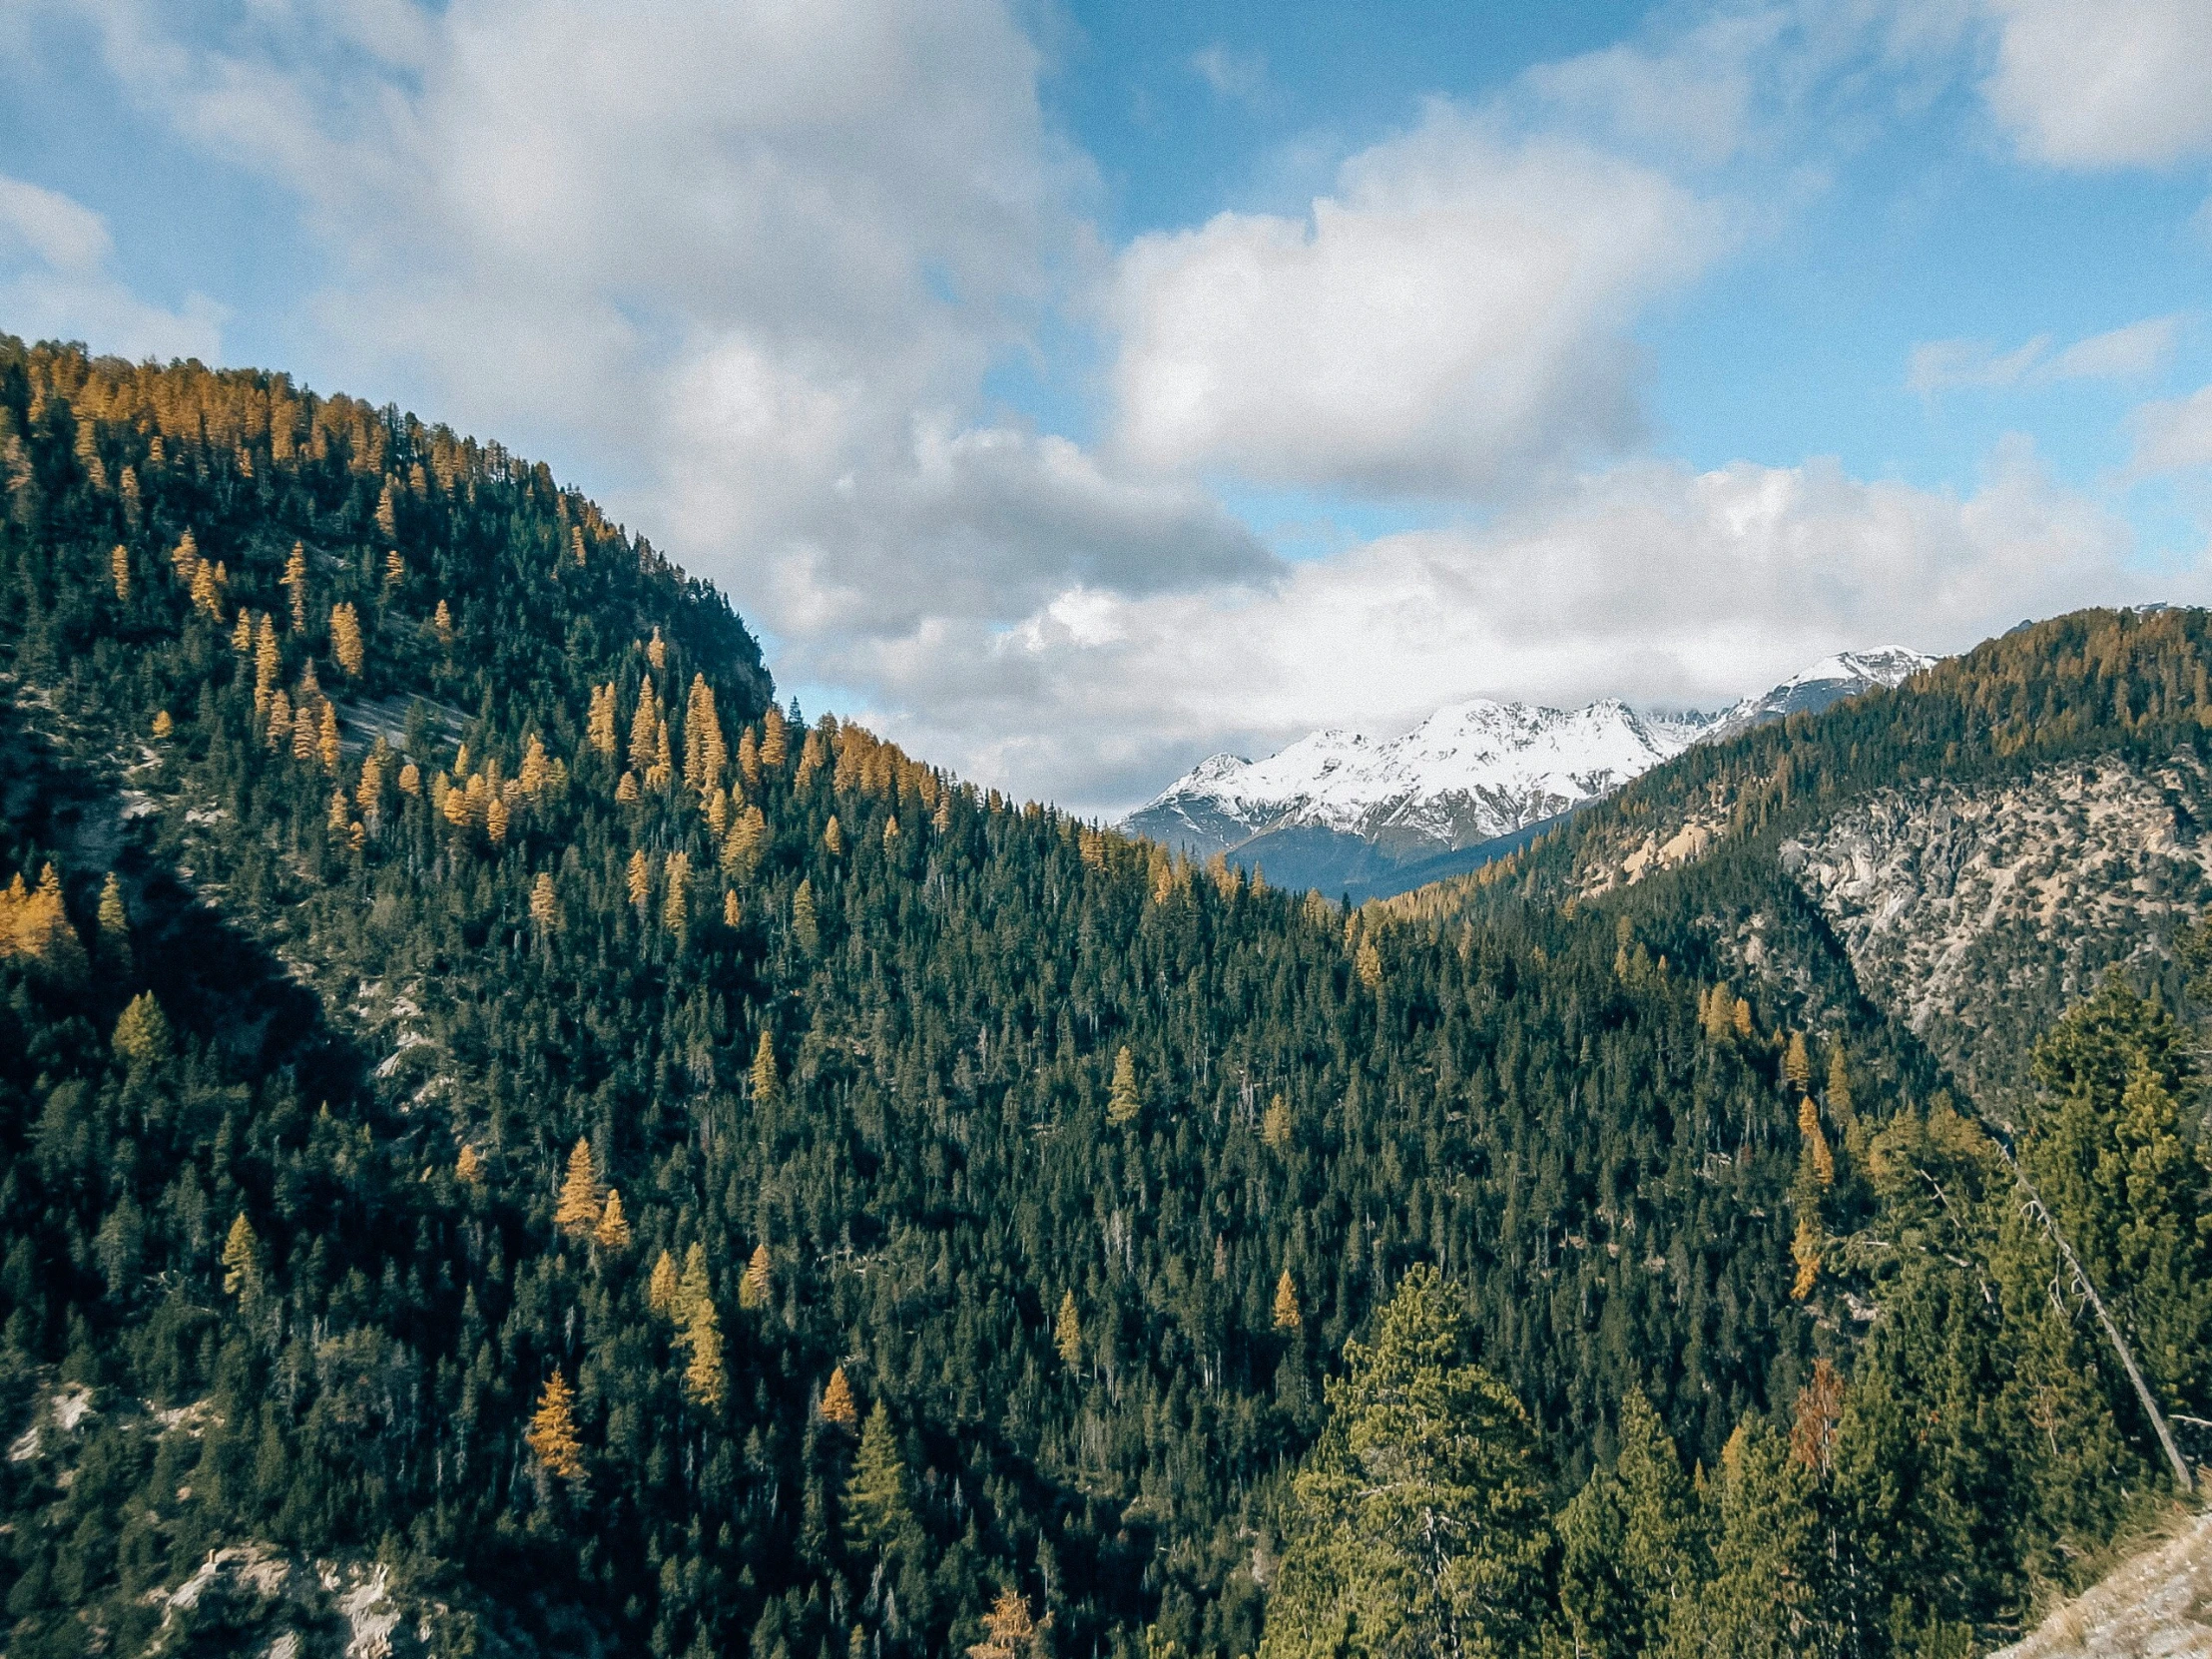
{"x": 692, "y": 1287}
{"x": 876, "y": 1501}
{"x": 1122, "y": 1101}
{"x": 753, "y": 1289}
{"x": 837, "y": 1408}
{"x": 552, "y": 1433}
{"x": 1417, "y": 1524}
{"x": 805, "y": 928}
{"x": 1067, "y": 1331}
{"x": 577, "y": 1212}
{"x": 115, "y": 927}
{"x": 142, "y": 1032}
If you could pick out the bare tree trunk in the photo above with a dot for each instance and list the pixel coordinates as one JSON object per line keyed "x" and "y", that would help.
{"x": 2050, "y": 1224}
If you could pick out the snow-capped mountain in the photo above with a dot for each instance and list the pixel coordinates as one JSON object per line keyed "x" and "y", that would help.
{"x": 1827, "y": 683}
{"x": 1343, "y": 811}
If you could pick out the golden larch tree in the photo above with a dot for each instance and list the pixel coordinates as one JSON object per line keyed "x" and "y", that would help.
{"x": 295, "y": 584}
{"x": 660, "y": 1287}
{"x": 1010, "y": 1631}
{"x": 345, "y": 637}
{"x": 612, "y": 1230}
{"x": 643, "y": 725}
{"x": 552, "y": 1433}
{"x": 838, "y": 1407}
{"x": 753, "y": 1289}
{"x": 577, "y": 1212}
{"x": 1286, "y": 1315}
{"x": 545, "y": 903}
{"x": 1067, "y": 1331}
{"x": 242, "y": 1270}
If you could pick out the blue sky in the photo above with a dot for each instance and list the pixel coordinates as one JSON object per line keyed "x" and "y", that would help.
{"x": 1072, "y": 391}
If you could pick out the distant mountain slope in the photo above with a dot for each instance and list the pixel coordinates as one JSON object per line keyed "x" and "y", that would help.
{"x": 1985, "y": 840}
{"x": 1343, "y": 813}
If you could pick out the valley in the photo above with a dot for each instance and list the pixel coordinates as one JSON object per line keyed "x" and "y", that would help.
{"x": 518, "y": 1139}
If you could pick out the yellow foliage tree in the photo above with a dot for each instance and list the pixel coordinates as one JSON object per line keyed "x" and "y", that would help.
{"x": 1275, "y": 1124}
{"x": 1010, "y": 1631}
{"x": 1067, "y": 1331}
{"x": 765, "y": 1084}
{"x": 545, "y": 903}
{"x": 838, "y": 1407}
{"x": 599, "y": 725}
{"x": 645, "y": 725}
{"x": 676, "y": 900}
{"x": 753, "y": 1289}
{"x": 1286, "y": 1315}
{"x": 242, "y": 1272}
{"x": 552, "y": 1433}
{"x": 640, "y": 878}
{"x": 660, "y": 1287}
{"x": 345, "y": 637}
{"x": 577, "y": 1212}
{"x": 471, "y": 1167}
{"x": 1122, "y": 1101}
{"x": 296, "y": 583}
{"x": 119, "y": 567}
{"x": 612, "y": 1230}
{"x": 705, "y": 1379}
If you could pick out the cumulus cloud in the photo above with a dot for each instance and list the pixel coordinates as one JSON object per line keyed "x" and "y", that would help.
{"x": 1452, "y": 319}
{"x": 57, "y": 280}
{"x": 2127, "y": 83}
{"x": 1647, "y": 580}
{"x": 2139, "y": 350}
{"x": 2174, "y": 434}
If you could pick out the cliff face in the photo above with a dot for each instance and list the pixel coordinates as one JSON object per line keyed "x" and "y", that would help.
{"x": 1975, "y": 915}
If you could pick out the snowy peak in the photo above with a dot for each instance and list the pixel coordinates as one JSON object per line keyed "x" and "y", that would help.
{"x": 1469, "y": 773}
{"x": 1472, "y": 773}
{"x": 1822, "y": 686}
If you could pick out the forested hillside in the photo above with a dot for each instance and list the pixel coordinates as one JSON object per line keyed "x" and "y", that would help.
{"x": 492, "y": 1103}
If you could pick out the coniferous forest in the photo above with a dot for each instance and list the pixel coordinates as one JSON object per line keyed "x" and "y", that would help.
{"x": 487, "y": 1091}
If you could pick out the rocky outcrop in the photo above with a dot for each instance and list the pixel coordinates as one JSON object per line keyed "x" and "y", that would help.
{"x": 2156, "y": 1607}
{"x": 1977, "y": 915}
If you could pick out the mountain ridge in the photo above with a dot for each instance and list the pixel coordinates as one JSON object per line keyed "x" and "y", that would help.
{"x": 1340, "y": 811}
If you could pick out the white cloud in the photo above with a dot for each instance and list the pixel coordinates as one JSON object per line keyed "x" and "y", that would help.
{"x": 56, "y": 283}
{"x": 2125, "y": 83}
{"x": 754, "y": 263}
{"x": 2173, "y": 435}
{"x": 2131, "y": 353}
{"x": 1453, "y": 319}
{"x": 1647, "y": 580}
{"x": 1231, "y": 74}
